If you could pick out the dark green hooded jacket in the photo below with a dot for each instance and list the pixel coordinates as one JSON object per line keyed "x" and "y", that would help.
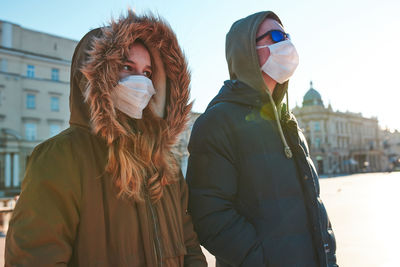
{"x": 254, "y": 191}
{"x": 68, "y": 213}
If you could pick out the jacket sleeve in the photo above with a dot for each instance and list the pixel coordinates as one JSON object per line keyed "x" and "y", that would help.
{"x": 328, "y": 234}
{"x": 212, "y": 179}
{"x": 332, "y": 252}
{"x": 46, "y": 216}
{"x": 194, "y": 256}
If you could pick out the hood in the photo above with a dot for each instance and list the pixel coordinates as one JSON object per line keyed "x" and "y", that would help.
{"x": 140, "y": 154}
{"x": 246, "y": 74}
{"x": 97, "y": 61}
{"x": 80, "y": 114}
{"x": 241, "y": 54}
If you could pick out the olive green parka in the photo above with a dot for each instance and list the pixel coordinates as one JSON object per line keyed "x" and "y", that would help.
{"x": 69, "y": 212}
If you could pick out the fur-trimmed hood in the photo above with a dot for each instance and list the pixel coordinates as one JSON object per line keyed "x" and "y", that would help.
{"x": 98, "y": 60}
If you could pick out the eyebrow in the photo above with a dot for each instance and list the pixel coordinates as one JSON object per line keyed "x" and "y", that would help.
{"x": 133, "y": 63}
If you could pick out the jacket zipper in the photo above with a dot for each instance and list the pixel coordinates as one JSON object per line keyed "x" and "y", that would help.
{"x": 157, "y": 243}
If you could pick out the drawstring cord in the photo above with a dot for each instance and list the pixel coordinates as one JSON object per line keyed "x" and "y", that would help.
{"x": 287, "y": 150}
{"x": 287, "y": 102}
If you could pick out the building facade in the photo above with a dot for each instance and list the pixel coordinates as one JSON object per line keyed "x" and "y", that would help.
{"x": 34, "y": 96}
{"x": 180, "y": 149}
{"x": 340, "y": 142}
{"x": 391, "y": 145}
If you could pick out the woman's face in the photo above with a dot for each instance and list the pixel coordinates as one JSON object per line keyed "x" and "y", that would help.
{"x": 138, "y": 62}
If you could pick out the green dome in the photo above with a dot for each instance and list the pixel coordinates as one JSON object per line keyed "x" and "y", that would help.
{"x": 312, "y": 97}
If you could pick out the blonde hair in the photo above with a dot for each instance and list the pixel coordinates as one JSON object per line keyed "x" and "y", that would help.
{"x": 139, "y": 158}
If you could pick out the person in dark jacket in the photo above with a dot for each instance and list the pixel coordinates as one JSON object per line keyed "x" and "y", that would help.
{"x": 107, "y": 191}
{"x": 254, "y": 191}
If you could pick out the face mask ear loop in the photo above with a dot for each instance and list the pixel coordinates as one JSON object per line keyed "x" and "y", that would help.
{"x": 261, "y": 46}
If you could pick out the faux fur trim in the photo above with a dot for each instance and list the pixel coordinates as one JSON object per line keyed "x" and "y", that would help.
{"x": 105, "y": 59}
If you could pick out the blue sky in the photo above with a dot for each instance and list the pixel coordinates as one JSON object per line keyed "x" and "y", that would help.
{"x": 350, "y": 49}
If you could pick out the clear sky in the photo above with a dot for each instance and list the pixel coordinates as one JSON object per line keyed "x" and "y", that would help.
{"x": 350, "y": 49}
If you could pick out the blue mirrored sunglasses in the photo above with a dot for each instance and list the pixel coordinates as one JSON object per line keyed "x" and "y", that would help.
{"x": 276, "y": 36}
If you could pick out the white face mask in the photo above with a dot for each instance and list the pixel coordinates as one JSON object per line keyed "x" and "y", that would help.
{"x": 282, "y": 61}
{"x": 132, "y": 94}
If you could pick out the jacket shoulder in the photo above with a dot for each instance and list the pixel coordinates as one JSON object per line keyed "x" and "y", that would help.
{"x": 211, "y": 122}
{"x": 57, "y": 157}
{"x": 70, "y": 134}
{"x": 49, "y": 203}
{"x": 215, "y": 117}
{"x": 67, "y": 141}
{"x": 213, "y": 131}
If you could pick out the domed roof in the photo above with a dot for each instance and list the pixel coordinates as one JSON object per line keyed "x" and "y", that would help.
{"x": 312, "y": 97}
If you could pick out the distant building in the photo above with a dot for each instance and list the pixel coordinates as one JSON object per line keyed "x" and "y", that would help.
{"x": 34, "y": 96}
{"x": 391, "y": 145}
{"x": 340, "y": 142}
{"x": 180, "y": 148}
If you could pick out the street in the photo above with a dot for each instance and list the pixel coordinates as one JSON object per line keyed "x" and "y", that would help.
{"x": 364, "y": 214}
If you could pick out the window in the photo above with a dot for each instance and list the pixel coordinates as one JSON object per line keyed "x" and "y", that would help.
{"x": 371, "y": 145}
{"x": 30, "y": 131}
{"x": 3, "y": 66}
{"x": 55, "y": 74}
{"x": 30, "y": 71}
{"x": 317, "y": 142}
{"x": 317, "y": 126}
{"x": 54, "y": 129}
{"x": 30, "y": 101}
{"x": 55, "y": 103}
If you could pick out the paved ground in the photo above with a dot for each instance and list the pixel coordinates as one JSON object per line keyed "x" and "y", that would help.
{"x": 364, "y": 210}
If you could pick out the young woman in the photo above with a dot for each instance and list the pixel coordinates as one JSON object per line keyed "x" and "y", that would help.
{"x": 107, "y": 191}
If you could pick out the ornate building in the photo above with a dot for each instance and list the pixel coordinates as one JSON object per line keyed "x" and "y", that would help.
{"x": 340, "y": 142}
{"x": 34, "y": 96}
